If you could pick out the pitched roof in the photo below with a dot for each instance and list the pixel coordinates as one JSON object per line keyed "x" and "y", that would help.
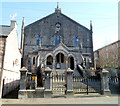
{"x": 62, "y": 15}
{"x": 74, "y": 21}
{"x": 5, "y": 30}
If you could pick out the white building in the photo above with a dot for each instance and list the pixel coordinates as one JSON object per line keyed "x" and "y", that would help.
{"x": 10, "y": 58}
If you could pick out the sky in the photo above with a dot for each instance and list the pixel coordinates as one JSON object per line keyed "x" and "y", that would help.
{"x": 104, "y": 16}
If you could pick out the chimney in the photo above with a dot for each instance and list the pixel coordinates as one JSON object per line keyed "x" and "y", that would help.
{"x": 13, "y": 24}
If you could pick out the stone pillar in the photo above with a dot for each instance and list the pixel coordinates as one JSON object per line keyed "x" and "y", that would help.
{"x": 54, "y": 65}
{"x": 105, "y": 83}
{"x": 66, "y": 63}
{"x": 75, "y": 64}
{"x": 34, "y": 81}
{"x": 69, "y": 79}
{"x": 23, "y": 83}
{"x": 23, "y": 78}
{"x": 48, "y": 89}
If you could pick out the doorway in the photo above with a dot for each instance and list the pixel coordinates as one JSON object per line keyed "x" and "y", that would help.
{"x": 60, "y": 61}
{"x": 71, "y": 62}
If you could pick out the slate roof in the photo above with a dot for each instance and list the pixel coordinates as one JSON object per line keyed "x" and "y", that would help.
{"x": 62, "y": 15}
{"x": 5, "y": 30}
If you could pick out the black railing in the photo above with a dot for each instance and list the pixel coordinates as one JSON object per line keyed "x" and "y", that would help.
{"x": 86, "y": 85}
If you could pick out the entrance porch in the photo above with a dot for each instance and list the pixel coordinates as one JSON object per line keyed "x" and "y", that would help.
{"x": 60, "y": 61}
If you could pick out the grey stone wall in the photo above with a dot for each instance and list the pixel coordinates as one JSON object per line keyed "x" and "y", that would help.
{"x": 2, "y": 52}
{"x": 68, "y": 29}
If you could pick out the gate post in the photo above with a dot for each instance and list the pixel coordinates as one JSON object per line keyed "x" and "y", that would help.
{"x": 23, "y": 83}
{"x": 23, "y": 78}
{"x": 48, "y": 89}
{"x": 105, "y": 83}
{"x": 69, "y": 79}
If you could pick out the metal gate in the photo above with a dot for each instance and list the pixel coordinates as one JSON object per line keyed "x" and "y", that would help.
{"x": 58, "y": 84}
{"x": 86, "y": 85}
{"x": 80, "y": 84}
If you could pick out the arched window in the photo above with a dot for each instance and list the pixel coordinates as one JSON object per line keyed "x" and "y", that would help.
{"x": 58, "y": 39}
{"x": 71, "y": 62}
{"x": 49, "y": 60}
{"x": 60, "y": 58}
{"x": 38, "y": 39}
{"x": 33, "y": 60}
{"x": 76, "y": 41}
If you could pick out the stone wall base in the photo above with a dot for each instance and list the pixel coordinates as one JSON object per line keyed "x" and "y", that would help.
{"x": 107, "y": 92}
{"x": 22, "y": 94}
{"x": 48, "y": 93}
{"x": 69, "y": 93}
{"x": 35, "y": 93}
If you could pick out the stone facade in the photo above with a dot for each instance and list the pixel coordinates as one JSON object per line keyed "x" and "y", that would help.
{"x": 2, "y": 48}
{"x": 10, "y": 58}
{"x": 58, "y": 42}
{"x": 108, "y": 56}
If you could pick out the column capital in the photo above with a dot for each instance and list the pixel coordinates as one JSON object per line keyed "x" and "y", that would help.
{"x": 47, "y": 69}
{"x": 23, "y": 69}
{"x": 69, "y": 70}
{"x": 104, "y": 71}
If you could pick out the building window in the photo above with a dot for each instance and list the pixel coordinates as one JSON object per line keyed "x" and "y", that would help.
{"x": 58, "y": 39}
{"x": 38, "y": 39}
{"x": 58, "y": 25}
{"x": 49, "y": 60}
{"x": 76, "y": 41}
{"x": 33, "y": 60}
{"x": 60, "y": 58}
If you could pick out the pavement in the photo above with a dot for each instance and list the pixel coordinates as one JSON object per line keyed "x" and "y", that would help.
{"x": 77, "y": 99}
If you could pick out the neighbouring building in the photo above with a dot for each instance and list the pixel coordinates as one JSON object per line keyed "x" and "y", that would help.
{"x": 108, "y": 56}
{"x": 10, "y": 58}
{"x": 58, "y": 42}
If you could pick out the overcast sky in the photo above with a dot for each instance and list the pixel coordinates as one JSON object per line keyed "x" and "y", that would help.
{"x": 104, "y": 16}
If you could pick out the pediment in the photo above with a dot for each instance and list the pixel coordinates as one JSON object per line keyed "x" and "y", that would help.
{"x": 61, "y": 47}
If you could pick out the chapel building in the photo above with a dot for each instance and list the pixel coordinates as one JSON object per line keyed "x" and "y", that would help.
{"x": 58, "y": 42}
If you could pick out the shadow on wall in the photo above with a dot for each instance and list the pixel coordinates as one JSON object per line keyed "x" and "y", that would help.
{"x": 13, "y": 94}
{"x": 10, "y": 89}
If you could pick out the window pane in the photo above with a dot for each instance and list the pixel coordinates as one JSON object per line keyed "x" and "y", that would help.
{"x": 33, "y": 60}
{"x": 57, "y": 39}
{"x": 62, "y": 58}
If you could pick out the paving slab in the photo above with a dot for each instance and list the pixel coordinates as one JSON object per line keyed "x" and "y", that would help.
{"x": 75, "y": 100}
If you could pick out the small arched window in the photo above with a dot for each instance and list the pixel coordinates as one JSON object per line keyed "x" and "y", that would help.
{"x": 58, "y": 39}
{"x": 38, "y": 39}
{"x": 76, "y": 41}
{"x": 33, "y": 60}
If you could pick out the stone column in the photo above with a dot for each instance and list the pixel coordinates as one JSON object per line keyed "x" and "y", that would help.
{"x": 23, "y": 78}
{"x": 34, "y": 81}
{"x": 23, "y": 83}
{"x": 69, "y": 79}
{"x": 48, "y": 86}
{"x": 54, "y": 65}
{"x": 105, "y": 83}
{"x": 66, "y": 63}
